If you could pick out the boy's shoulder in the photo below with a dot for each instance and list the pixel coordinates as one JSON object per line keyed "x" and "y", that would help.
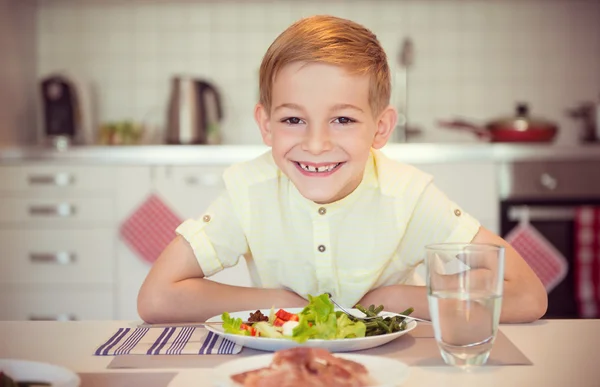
{"x": 397, "y": 178}
{"x": 252, "y": 171}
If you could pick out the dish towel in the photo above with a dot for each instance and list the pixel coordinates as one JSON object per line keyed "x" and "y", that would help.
{"x": 549, "y": 264}
{"x": 150, "y": 228}
{"x": 587, "y": 261}
{"x": 166, "y": 341}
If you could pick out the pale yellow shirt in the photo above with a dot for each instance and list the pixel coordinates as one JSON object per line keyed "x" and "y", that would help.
{"x": 373, "y": 237}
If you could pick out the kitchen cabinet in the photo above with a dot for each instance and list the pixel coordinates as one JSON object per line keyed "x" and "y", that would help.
{"x": 57, "y": 302}
{"x": 134, "y": 184}
{"x": 188, "y": 191}
{"x": 57, "y": 235}
{"x": 57, "y": 256}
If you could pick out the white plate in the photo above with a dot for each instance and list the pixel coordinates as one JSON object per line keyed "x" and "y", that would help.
{"x": 384, "y": 372}
{"x": 24, "y": 370}
{"x": 338, "y": 345}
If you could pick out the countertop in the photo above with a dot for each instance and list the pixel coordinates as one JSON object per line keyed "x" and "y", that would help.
{"x": 417, "y": 153}
{"x": 563, "y": 353}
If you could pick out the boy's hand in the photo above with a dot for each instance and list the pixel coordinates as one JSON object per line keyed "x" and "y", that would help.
{"x": 398, "y": 298}
{"x": 371, "y": 298}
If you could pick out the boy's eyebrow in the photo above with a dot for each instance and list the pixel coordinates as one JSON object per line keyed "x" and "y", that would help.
{"x": 340, "y": 106}
{"x": 290, "y": 106}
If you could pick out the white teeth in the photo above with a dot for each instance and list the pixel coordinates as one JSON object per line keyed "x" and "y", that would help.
{"x": 325, "y": 168}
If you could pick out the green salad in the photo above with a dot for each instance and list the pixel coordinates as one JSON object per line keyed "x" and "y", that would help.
{"x": 318, "y": 320}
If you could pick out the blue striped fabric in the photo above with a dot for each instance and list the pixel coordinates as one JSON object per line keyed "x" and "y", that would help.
{"x": 166, "y": 341}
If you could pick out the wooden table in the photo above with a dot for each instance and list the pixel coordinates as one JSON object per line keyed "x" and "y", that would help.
{"x": 564, "y": 353}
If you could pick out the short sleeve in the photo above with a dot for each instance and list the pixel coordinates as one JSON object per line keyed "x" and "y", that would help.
{"x": 435, "y": 219}
{"x": 216, "y": 237}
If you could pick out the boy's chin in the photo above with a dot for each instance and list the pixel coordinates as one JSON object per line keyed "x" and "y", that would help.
{"x": 319, "y": 196}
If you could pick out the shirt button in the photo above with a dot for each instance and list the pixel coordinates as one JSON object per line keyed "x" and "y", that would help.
{"x": 322, "y": 211}
{"x": 206, "y": 218}
{"x": 322, "y": 248}
{"x": 457, "y": 212}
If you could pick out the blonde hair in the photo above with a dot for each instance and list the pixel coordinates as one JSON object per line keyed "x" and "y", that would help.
{"x": 331, "y": 40}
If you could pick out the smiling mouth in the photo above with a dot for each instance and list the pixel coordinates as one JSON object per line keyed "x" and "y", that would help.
{"x": 318, "y": 169}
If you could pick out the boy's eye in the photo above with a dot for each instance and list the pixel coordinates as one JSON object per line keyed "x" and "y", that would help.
{"x": 344, "y": 120}
{"x": 292, "y": 120}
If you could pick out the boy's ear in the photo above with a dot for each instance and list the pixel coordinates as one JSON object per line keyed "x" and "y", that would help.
{"x": 385, "y": 127}
{"x": 261, "y": 115}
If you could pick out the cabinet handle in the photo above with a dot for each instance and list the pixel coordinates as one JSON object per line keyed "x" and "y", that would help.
{"x": 63, "y": 210}
{"x": 60, "y": 179}
{"x": 208, "y": 180}
{"x": 548, "y": 181}
{"x": 57, "y": 317}
{"x": 60, "y": 258}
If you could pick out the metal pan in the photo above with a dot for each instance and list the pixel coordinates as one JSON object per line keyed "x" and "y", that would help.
{"x": 518, "y": 128}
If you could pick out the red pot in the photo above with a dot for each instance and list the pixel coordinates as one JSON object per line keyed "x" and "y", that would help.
{"x": 518, "y": 128}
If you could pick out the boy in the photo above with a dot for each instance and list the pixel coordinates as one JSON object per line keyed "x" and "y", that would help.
{"x": 324, "y": 210}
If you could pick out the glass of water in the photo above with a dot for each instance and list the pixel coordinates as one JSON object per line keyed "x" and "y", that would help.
{"x": 464, "y": 289}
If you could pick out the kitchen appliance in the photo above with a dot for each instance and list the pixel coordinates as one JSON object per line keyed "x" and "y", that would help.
{"x": 518, "y": 128}
{"x": 66, "y": 113}
{"x": 405, "y": 60}
{"x": 548, "y": 195}
{"x": 589, "y": 115}
{"x": 194, "y": 112}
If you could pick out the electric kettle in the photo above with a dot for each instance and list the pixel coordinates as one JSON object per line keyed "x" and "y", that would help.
{"x": 194, "y": 112}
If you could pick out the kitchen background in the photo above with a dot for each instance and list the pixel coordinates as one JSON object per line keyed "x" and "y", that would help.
{"x": 73, "y": 221}
{"x": 472, "y": 58}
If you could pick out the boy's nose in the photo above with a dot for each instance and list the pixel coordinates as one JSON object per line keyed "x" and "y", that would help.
{"x": 317, "y": 141}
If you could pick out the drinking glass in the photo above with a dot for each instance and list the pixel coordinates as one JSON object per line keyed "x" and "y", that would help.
{"x": 464, "y": 289}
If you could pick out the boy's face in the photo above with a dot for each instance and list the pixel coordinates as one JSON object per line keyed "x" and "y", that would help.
{"x": 321, "y": 128}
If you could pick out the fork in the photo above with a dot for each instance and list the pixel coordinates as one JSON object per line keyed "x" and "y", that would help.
{"x": 367, "y": 318}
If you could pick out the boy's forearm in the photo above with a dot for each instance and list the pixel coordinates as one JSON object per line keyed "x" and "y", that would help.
{"x": 197, "y": 299}
{"x": 522, "y": 302}
{"x": 398, "y": 298}
{"x": 516, "y": 303}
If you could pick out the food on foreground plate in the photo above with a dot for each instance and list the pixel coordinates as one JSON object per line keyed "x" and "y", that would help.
{"x": 306, "y": 367}
{"x": 318, "y": 320}
{"x": 6, "y": 381}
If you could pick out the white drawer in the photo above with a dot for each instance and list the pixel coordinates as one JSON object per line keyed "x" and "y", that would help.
{"x": 43, "y": 212}
{"x": 76, "y": 303}
{"x": 189, "y": 190}
{"x": 56, "y": 180}
{"x": 57, "y": 256}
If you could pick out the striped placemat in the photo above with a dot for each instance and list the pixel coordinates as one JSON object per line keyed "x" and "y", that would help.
{"x": 166, "y": 341}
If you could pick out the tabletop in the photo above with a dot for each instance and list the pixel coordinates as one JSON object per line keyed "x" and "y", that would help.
{"x": 563, "y": 352}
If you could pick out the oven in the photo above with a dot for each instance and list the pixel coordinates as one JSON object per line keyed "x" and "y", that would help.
{"x": 548, "y": 193}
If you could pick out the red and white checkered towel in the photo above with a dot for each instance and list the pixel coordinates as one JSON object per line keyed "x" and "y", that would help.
{"x": 587, "y": 261}
{"x": 150, "y": 228}
{"x": 544, "y": 259}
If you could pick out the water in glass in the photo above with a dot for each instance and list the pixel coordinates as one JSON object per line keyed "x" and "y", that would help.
{"x": 464, "y": 284}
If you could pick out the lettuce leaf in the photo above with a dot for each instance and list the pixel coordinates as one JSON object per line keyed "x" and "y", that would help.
{"x": 347, "y": 328}
{"x": 318, "y": 309}
{"x": 325, "y": 330}
{"x": 319, "y": 320}
{"x": 233, "y": 325}
{"x": 267, "y": 330}
{"x": 272, "y": 315}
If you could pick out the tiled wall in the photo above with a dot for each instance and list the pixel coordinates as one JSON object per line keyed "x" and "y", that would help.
{"x": 17, "y": 72}
{"x": 474, "y": 58}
